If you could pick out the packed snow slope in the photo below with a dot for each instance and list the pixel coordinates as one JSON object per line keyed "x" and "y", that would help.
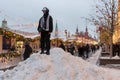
{"x": 59, "y": 65}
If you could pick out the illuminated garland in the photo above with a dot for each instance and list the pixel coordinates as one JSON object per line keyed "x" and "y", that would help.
{"x": 10, "y": 54}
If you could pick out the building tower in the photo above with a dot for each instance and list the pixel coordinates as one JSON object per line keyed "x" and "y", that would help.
{"x": 116, "y": 35}
{"x": 86, "y": 32}
{"x": 77, "y": 31}
{"x": 4, "y": 24}
{"x": 56, "y": 30}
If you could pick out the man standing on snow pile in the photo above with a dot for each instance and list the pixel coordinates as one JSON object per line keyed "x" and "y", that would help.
{"x": 45, "y": 28}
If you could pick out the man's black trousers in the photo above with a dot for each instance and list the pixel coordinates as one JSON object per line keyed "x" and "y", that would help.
{"x": 45, "y": 41}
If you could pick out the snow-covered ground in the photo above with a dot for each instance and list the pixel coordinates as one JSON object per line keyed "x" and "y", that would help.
{"x": 59, "y": 65}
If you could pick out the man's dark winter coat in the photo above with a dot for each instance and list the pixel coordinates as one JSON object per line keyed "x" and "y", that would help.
{"x": 50, "y": 25}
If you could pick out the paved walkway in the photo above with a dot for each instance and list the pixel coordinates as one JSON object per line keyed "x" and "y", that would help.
{"x": 94, "y": 57}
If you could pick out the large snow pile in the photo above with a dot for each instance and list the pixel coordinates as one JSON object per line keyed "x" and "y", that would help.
{"x": 59, "y": 65}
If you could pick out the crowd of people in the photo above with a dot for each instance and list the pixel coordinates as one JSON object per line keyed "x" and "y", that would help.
{"x": 83, "y": 50}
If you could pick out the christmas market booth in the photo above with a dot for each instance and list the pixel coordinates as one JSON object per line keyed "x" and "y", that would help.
{"x": 12, "y": 41}
{"x": 13, "y": 38}
{"x": 11, "y": 44}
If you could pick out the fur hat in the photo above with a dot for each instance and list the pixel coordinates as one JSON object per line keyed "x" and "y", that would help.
{"x": 45, "y": 9}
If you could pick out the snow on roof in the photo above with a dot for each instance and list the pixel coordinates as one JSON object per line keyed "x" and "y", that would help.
{"x": 59, "y": 65}
{"x": 31, "y": 35}
{"x": 22, "y": 30}
{"x": 25, "y": 34}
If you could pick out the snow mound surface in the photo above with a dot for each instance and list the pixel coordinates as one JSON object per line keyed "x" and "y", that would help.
{"x": 59, "y": 65}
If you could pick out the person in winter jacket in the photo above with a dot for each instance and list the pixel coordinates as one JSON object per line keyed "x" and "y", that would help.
{"x": 62, "y": 45}
{"x": 71, "y": 48}
{"x": 27, "y": 51}
{"x": 45, "y": 28}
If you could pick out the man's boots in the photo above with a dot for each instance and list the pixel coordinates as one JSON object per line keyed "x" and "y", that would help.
{"x": 48, "y": 53}
{"x": 42, "y": 51}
